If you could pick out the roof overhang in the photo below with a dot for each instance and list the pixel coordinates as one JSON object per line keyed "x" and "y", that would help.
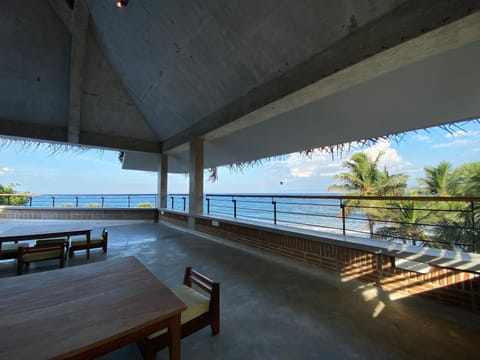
{"x": 427, "y": 81}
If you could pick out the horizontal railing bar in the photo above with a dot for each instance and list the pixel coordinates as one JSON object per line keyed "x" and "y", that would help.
{"x": 73, "y": 195}
{"x": 253, "y": 202}
{"x": 253, "y": 209}
{"x": 308, "y": 214}
{"x": 221, "y": 212}
{"x": 222, "y": 206}
{"x": 213, "y": 201}
{"x": 417, "y": 223}
{"x": 308, "y": 204}
{"x": 355, "y": 197}
{"x": 312, "y": 225}
{"x": 405, "y": 208}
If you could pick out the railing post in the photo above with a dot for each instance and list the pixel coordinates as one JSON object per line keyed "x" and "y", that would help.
{"x": 128, "y": 197}
{"x": 184, "y": 203}
{"x": 31, "y": 201}
{"x": 342, "y": 205}
{"x": 53, "y": 201}
{"x": 76, "y": 201}
{"x": 8, "y": 200}
{"x": 171, "y": 197}
{"x": 234, "y": 208}
{"x": 474, "y": 238}
{"x": 274, "y": 212}
{"x": 208, "y": 206}
{"x": 103, "y": 201}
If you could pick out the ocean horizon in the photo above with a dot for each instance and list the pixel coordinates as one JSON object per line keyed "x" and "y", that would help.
{"x": 307, "y": 213}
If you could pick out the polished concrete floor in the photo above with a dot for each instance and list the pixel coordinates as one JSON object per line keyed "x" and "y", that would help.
{"x": 276, "y": 309}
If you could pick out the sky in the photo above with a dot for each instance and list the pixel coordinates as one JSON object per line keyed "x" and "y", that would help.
{"x": 39, "y": 171}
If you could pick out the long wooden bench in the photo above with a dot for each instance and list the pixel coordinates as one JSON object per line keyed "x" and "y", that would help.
{"x": 203, "y": 309}
{"x": 27, "y": 255}
{"x": 53, "y": 242}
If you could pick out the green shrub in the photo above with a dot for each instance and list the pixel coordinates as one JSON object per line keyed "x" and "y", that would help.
{"x": 11, "y": 200}
{"x": 145, "y": 205}
{"x": 93, "y": 205}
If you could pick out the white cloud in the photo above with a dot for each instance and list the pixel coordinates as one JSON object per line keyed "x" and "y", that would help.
{"x": 460, "y": 138}
{"x": 461, "y": 133}
{"x": 297, "y": 168}
{"x": 5, "y": 170}
{"x": 390, "y": 158}
{"x": 422, "y": 138}
{"x": 459, "y": 142}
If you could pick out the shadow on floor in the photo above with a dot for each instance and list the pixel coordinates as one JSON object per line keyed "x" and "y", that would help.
{"x": 273, "y": 308}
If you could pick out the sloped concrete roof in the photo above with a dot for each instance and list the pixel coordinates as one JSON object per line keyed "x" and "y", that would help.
{"x": 252, "y": 78}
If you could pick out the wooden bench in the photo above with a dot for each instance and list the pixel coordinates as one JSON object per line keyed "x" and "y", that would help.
{"x": 27, "y": 255}
{"x": 203, "y": 309}
{"x": 79, "y": 242}
{"x": 9, "y": 250}
{"x": 54, "y": 241}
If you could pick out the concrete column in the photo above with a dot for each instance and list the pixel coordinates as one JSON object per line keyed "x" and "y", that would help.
{"x": 196, "y": 180}
{"x": 162, "y": 181}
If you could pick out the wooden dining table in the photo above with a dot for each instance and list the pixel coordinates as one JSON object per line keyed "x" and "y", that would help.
{"x": 85, "y": 311}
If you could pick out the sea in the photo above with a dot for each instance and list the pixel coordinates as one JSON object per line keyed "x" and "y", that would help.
{"x": 307, "y": 213}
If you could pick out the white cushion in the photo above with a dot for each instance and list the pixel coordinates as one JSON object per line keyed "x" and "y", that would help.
{"x": 12, "y": 247}
{"x": 197, "y": 304}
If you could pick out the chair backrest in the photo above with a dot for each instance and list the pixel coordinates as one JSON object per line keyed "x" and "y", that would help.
{"x": 210, "y": 287}
{"x": 105, "y": 234}
{"x": 27, "y": 255}
{"x": 37, "y": 251}
{"x": 52, "y": 241}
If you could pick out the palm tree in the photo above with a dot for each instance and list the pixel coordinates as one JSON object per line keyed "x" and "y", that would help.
{"x": 406, "y": 221}
{"x": 438, "y": 180}
{"x": 459, "y": 229}
{"x": 364, "y": 178}
{"x": 466, "y": 179}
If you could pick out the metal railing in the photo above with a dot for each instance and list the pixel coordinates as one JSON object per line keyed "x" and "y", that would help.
{"x": 80, "y": 201}
{"x": 179, "y": 202}
{"x": 441, "y": 222}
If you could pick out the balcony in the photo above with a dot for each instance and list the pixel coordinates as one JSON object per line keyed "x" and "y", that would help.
{"x": 276, "y": 308}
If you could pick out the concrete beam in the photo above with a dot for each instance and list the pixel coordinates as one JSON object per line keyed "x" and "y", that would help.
{"x": 118, "y": 142}
{"x": 76, "y": 20}
{"x": 46, "y": 133}
{"x": 79, "y": 24}
{"x": 408, "y": 21}
{"x": 32, "y": 131}
{"x": 63, "y": 11}
{"x": 196, "y": 180}
{"x": 162, "y": 181}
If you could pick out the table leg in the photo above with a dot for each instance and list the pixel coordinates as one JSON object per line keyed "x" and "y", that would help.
{"x": 174, "y": 329}
{"x": 88, "y": 245}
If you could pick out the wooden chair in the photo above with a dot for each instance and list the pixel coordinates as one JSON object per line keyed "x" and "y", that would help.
{"x": 27, "y": 255}
{"x": 79, "y": 242}
{"x": 54, "y": 241}
{"x": 203, "y": 309}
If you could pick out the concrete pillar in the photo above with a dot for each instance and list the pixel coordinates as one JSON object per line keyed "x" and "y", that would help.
{"x": 162, "y": 181}
{"x": 196, "y": 180}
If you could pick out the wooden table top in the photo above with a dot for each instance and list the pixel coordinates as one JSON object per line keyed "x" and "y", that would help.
{"x": 87, "y": 309}
{"x": 33, "y": 235}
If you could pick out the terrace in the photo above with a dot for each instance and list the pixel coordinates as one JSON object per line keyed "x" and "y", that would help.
{"x": 272, "y": 307}
{"x": 185, "y": 87}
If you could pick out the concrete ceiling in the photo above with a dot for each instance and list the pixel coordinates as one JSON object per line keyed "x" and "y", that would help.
{"x": 252, "y": 78}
